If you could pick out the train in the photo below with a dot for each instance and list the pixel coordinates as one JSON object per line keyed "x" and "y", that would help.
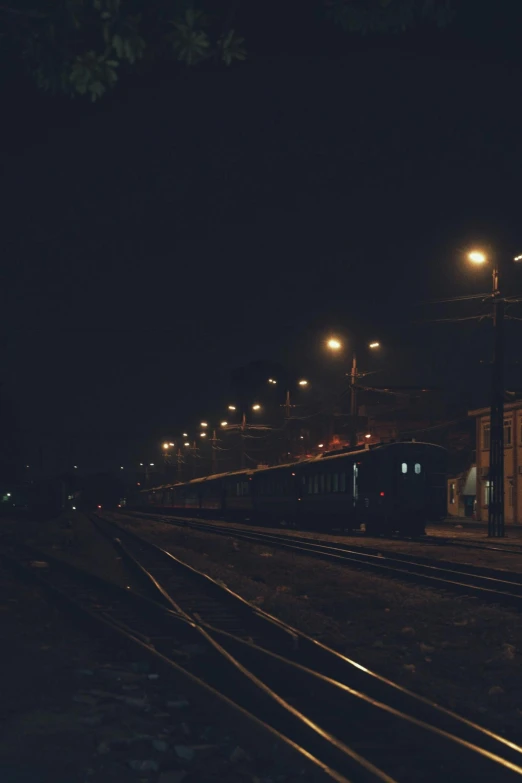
{"x": 388, "y": 488}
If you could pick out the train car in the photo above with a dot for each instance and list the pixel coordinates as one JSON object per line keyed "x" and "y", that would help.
{"x": 389, "y": 488}
{"x": 276, "y": 495}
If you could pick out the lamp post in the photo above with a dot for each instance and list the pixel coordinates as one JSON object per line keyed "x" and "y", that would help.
{"x": 496, "y": 522}
{"x": 336, "y": 345}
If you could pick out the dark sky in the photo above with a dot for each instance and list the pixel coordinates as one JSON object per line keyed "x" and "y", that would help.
{"x": 197, "y": 220}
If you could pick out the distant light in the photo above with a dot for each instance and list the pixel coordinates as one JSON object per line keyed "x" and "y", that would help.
{"x": 202, "y": 434}
{"x": 320, "y": 446}
{"x": 119, "y": 505}
{"x": 99, "y": 506}
{"x": 256, "y": 407}
{"x": 8, "y": 495}
{"x": 381, "y": 494}
{"x": 272, "y": 380}
{"x": 231, "y": 407}
{"x": 204, "y": 424}
{"x": 334, "y": 344}
{"x": 141, "y": 464}
{"x": 517, "y": 258}
{"x": 303, "y": 383}
{"x": 368, "y": 435}
{"x": 185, "y": 434}
{"x": 138, "y": 484}
{"x": 224, "y": 423}
{"x": 172, "y": 444}
{"x": 186, "y": 444}
{"x": 375, "y": 345}
{"x": 165, "y": 445}
{"x": 74, "y": 508}
{"x": 477, "y": 257}
{"x": 151, "y": 464}
{"x": 121, "y": 467}
{"x": 302, "y": 437}
{"x": 75, "y": 467}
{"x": 27, "y": 466}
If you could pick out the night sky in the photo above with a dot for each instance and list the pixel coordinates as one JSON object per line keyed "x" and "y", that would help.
{"x": 195, "y": 220}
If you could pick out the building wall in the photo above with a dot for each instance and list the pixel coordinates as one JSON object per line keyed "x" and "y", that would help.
{"x": 512, "y": 464}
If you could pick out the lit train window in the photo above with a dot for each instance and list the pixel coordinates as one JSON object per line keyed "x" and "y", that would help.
{"x": 404, "y": 467}
{"x": 417, "y": 467}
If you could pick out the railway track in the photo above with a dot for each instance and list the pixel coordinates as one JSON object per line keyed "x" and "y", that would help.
{"x": 395, "y": 731}
{"x": 487, "y": 584}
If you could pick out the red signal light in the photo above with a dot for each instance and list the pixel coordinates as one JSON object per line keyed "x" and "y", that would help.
{"x": 381, "y": 494}
{"x": 99, "y": 506}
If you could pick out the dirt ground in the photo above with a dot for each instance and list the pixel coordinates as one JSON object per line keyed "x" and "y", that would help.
{"x": 72, "y": 710}
{"x": 453, "y": 649}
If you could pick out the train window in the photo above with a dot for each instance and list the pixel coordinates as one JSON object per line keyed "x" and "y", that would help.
{"x": 404, "y": 467}
{"x": 342, "y": 482}
{"x": 335, "y": 482}
{"x": 328, "y": 482}
{"x": 316, "y": 484}
{"x": 417, "y": 467}
{"x": 321, "y": 483}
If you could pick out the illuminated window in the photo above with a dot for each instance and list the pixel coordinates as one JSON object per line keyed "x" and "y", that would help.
{"x": 417, "y": 467}
{"x": 507, "y": 432}
{"x": 404, "y": 467}
{"x": 487, "y": 492}
{"x": 486, "y": 436}
{"x": 452, "y": 493}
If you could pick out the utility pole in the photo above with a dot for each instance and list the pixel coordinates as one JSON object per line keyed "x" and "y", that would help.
{"x": 353, "y": 402}
{"x": 496, "y": 527}
{"x": 179, "y": 463}
{"x": 213, "y": 468}
{"x": 242, "y": 436}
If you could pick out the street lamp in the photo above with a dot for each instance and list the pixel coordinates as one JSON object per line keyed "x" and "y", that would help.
{"x": 203, "y": 424}
{"x": 256, "y": 407}
{"x": 496, "y": 438}
{"x": 231, "y": 407}
{"x": 303, "y": 383}
{"x": 186, "y": 443}
{"x": 165, "y": 445}
{"x": 202, "y": 434}
{"x": 224, "y": 423}
{"x": 334, "y": 344}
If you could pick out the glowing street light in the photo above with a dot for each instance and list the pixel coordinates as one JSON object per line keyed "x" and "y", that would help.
{"x": 203, "y": 424}
{"x": 185, "y": 434}
{"x": 202, "y": 434}
{"x": 303, "y": 383}
{"x": 186, "y": 444}
{"x": 271, "y": 380}
{"x": 165, "y": 445}
{"x": 374, "y": 345}
{"x": 477, "y": 257}
{"x": 256, "y": 407}
{"x": 224, "y": 423}
{"x": 320, "y": 445}
{"x": 231, "y": 407}
{"x": 334, "y": 344}
{"x": 151, "y": 464}
{"x": 368, "y": 435}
